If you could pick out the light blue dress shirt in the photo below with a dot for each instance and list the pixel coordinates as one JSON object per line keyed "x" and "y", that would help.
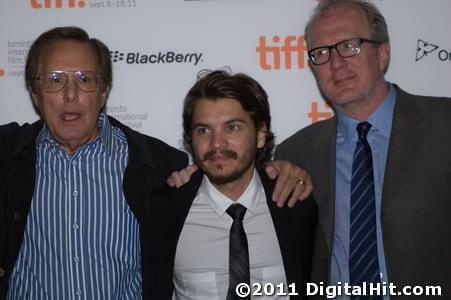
{"x": 378, "y": 138}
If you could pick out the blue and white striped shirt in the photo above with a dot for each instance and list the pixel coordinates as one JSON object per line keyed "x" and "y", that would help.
{"x": 81, "y": 239}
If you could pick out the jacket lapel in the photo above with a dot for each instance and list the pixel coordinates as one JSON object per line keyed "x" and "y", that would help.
{"x": 321, "y": 164}
{"x": 185, "y": 196}
{"x": 288, "y": 242}
{"x": 407, "y": 139}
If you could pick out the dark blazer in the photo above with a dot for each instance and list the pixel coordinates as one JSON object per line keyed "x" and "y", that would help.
{"x": 294, "y": 228}
{"x": 150, "y": 162}
{"x": 416, "y": 195}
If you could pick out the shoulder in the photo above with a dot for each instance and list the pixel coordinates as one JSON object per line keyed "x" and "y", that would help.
{"x": 429, "y": 104}
{"x": 301, "y": 139}
{"x": 8, "y": 130}
{"x": 308, "y": 132}
{"x": 15, "y": 137}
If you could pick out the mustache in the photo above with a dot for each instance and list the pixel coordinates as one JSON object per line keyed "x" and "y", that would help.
{"x": 223, "y": 152}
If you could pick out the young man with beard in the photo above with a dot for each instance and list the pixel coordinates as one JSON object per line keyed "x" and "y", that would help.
{"x": 227, "y": 128}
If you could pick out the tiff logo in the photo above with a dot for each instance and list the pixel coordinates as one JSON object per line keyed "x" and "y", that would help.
{"x": 38, "y": 4}
{"x": 291, "y": 52}
{"x": 316, "y": 114}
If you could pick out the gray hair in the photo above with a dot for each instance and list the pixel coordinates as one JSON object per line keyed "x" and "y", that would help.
{"x": 377, "y": 25}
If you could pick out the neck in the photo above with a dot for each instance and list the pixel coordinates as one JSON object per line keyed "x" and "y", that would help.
{"x": 362, "y": 109}
{"x": 72, "y": 146}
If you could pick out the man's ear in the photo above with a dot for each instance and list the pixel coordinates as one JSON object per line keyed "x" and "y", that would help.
{"x": 261, "y": 136}
{"x": 104, "y": 96}
{"x": 383, "y": 53}
{"x": 35, "y": 99}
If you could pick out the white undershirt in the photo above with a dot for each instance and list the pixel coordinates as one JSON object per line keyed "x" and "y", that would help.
{"x": 201, "y": 269}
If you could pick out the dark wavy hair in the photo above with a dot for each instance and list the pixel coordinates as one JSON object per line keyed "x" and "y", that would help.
{"x": 214, "y": 85}
{"x": 39, "y": 46}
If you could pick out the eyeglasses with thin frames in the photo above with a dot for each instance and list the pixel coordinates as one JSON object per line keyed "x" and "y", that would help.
{"x": 55, "y": 81}
{"x": 346, "y": 48}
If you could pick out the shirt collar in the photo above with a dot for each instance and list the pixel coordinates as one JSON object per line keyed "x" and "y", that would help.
{"x": 220, "y": 202}
{"x": 105, "y": 134}
{"x": 380, "y": 120}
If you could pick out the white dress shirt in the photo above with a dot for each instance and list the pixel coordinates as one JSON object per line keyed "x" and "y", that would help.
{"x": 201, "y": 269}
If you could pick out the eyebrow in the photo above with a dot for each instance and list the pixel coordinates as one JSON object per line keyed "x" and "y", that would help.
{"x": 238, "y": 120}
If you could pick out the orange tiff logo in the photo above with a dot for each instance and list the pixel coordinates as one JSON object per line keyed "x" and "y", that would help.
{"x": 37, "y": 4}
{"x": 291, "y": 51}
{"x": 316, "y": 115}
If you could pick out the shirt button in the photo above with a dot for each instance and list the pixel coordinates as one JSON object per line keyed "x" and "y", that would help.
{"x": 75, "y": 226}
{"x": 78, "y": 292}
{"x": 75, "y": 193}
{"x": 76, "y": 258}
{"x": 17, "y": 217}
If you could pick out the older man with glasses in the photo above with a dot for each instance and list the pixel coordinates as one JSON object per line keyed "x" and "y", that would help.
{"x": 73, "y": 185}
{"x": 381, "y": 166}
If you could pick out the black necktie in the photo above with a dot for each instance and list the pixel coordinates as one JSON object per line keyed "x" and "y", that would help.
{"x": 363, "y": 259}
{"x": 238, "y": 253}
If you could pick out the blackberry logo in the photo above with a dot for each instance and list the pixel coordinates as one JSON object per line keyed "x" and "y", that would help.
{"x": 424, "y": 48}
{"x": 160, "y": 57}
{"x": 116, "y": 56}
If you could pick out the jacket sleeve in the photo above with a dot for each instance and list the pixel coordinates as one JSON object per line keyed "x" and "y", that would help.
{"x": 7, "y": 133}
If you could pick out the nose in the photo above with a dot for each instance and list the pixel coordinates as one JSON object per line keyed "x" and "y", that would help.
{"x": 218, "y": 140}
{"x": 70, "y": 90}
{"x": 336, "y": 61}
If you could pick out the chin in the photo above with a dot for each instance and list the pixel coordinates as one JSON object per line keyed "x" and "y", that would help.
{"x": 220, "y": 179}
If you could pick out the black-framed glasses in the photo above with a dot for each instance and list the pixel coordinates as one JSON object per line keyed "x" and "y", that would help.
{"x": 55, "y": 81}
{"x": 346, "y": 48}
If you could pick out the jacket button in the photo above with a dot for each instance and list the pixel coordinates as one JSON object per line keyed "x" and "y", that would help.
{"x": 17, "y": 217}
{"x": 2, "y": 272}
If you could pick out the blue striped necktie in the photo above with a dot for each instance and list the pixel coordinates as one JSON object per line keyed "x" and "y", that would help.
{"x": 239, "y": 253}
{"x": 363, "y": 259}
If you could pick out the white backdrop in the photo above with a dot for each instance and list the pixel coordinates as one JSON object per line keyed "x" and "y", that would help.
{"x": 246, "y": 35}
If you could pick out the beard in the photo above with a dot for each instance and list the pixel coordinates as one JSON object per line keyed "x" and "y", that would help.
{"x": 219, "y": 178}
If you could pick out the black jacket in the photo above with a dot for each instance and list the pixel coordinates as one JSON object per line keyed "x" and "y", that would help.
{"x": 167, "y": 213}
{"x": 150, "y": 162}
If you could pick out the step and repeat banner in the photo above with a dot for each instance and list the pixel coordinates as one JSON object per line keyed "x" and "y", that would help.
{"x": 159, "y": 46}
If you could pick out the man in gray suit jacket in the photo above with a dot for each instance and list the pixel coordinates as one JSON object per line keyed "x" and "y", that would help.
{"x": 406, "y": 203}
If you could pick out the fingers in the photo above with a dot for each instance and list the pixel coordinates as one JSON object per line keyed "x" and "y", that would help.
{"x": 308, "y": 187}
{"x": 190, "y": 169}
{"x": 179, "y": 178}
{"x": 284, "y": 185}
{"x": 170, "y": 181}
{"x": 293, "y": 183}
{"x": 271, "y": 170}
{"x": 292, "y": 188}
{"x": 176, "y": 178}
{"x": 302, "y": 190}
{"x": 295, "y": 196}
